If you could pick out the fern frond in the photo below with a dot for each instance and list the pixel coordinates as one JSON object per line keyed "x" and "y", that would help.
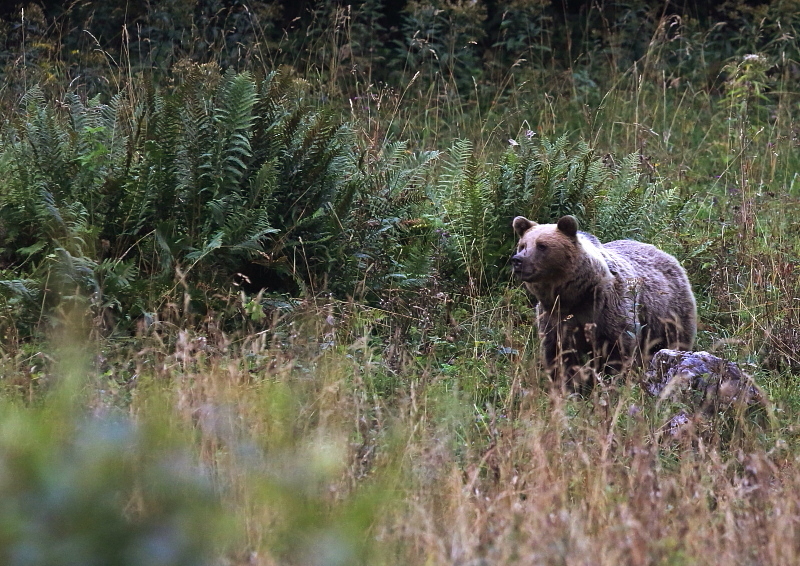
{"x": 628, "y": 200}
{"x": 234, "y": 121}
{"x": 26, "y": 289}
{"x": 453, "y": 168}
{"x": 195, "y": 159}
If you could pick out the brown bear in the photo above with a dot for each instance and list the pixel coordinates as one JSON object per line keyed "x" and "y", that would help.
{"x": 601, "y": 307}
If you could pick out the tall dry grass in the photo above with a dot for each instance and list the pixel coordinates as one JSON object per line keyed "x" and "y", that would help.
{"x": 325, "y": 454}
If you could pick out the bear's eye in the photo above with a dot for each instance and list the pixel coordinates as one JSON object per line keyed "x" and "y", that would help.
{"x": 541, "y": 246}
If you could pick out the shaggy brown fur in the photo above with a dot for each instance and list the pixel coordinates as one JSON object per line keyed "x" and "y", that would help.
{"x": 601, "y": 306}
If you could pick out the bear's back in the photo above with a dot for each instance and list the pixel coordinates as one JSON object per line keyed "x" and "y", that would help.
{"x": 663, "y": 288}
{"x": 649, "y": 262}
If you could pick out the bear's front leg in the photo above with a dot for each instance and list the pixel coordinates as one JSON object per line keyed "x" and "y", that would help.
{"x": 562, "y": 360}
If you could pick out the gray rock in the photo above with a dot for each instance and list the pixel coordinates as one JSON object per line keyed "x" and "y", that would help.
{"x": 700, "y": 381}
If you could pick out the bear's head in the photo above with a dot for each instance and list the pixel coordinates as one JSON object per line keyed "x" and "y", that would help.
{"x": 545, "y": 252}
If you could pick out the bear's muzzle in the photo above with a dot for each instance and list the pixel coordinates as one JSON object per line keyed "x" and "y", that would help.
{"x": 519, "y": 269}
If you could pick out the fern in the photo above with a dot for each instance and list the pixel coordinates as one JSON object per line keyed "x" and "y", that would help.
{"x": 195, "y": 159}
{"x": 465, "y": 194}
{"x": 545, "y": 180}
{"x": 20, "y": 302}
{"x": 25, "y": 289}
{"x": 453, "y": 169}
{"x": 233, "y": 120}
{"x": 628, "y": 203}
{"x": 228, "y": 176}
{"x": 389, "y": 230}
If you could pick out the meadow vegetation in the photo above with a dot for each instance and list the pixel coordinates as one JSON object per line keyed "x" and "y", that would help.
{"x": 255, "y": 299}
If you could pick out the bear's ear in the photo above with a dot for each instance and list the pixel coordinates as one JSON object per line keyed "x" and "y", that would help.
{"x": 568, "y": 225}
{"x": 522, "y": 225}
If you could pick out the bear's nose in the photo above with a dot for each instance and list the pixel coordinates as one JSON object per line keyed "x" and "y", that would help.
{"x": 516, "y": 261}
